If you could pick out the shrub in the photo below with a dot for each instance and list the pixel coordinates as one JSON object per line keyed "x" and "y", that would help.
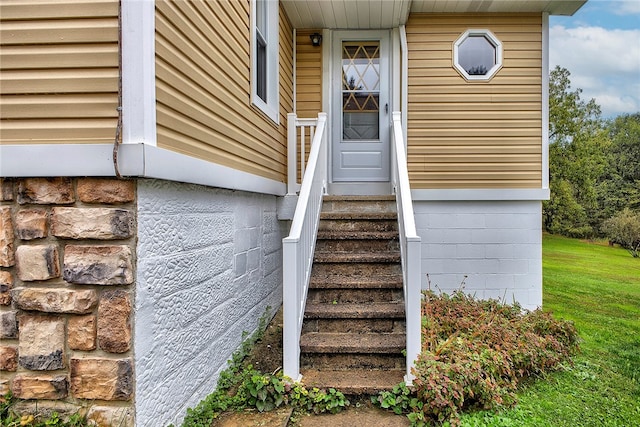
{"x": 624, "y": 229}
{"x": 474, "y": 354}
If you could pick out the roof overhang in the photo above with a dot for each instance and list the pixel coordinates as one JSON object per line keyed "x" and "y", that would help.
{"x": 374, "y": 14}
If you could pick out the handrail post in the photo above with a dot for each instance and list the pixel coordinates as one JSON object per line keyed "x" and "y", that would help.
{"x": 414, "y": 312}
{"x": 290, "y": 336}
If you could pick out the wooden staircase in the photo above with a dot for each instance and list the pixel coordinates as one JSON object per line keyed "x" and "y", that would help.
{"x": 353, "y": 334}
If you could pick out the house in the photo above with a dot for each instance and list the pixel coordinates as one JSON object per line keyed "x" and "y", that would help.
{"x": 150, "y": 172}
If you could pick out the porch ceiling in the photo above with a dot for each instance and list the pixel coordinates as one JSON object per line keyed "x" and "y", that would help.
{"x": 374, "y": 14}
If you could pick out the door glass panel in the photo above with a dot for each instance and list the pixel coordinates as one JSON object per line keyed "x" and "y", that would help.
{"x": 360, "y": 91}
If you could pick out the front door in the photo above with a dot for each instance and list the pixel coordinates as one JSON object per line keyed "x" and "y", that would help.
{"x": 361, "y": 116}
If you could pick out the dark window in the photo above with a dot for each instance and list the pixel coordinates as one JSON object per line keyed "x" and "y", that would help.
{"x": 264, "y": 57}
{"x": 477, "y": 55}
{"x": 261, "y": 68}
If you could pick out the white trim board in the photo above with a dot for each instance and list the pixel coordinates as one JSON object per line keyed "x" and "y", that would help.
{"x": 481, "y": 194}
{"x": 134, "y": 160}
{"x": 138, "y": 72}
{"x": 545, "y": 100}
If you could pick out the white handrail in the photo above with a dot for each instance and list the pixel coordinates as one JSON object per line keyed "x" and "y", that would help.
{"x": 298, "y": 248}
{"x": 296, "y": 125}
{"x": 409, "y": 246}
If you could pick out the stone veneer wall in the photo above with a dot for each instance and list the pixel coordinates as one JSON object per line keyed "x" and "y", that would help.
{"x": 495, "y": 247}
{"x": 67, "y": 256}
{"x": 209, "y": 265}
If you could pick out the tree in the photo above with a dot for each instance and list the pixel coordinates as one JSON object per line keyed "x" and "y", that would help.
{"x": 562, "y": 214}
{"x": 624, "y": 229}
{"x": 569, "y": 116}
{"x": 619, "y": 187}
{"x": 578, "y": 146}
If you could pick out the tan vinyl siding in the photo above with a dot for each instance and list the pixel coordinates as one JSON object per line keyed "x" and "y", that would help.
{"x": 203, "y": 88}
{"x": 59, "y": 71}
{"x": 286, "y": 68}
{"x": 308, "y": 75}
{"x": 308, "y": 82}
{"x": 474, "y": 134}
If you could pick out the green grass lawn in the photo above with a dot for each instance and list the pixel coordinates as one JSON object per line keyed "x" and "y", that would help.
{"x": 598, "y": 288}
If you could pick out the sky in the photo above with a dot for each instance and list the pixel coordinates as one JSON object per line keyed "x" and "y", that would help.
{"x": 600, "y": 46}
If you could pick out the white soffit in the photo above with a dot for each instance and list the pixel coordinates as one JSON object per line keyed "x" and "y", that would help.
{"x": 347, "y": 14}
{"x": 553, "y": 7}
{"x": 375, "y": 14}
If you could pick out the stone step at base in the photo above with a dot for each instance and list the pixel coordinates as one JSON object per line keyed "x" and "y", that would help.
{"x": 354, "y": 382}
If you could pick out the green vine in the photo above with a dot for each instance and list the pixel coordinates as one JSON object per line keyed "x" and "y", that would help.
{"x": 241, "y": 387}
{"x": 10, "y": 419}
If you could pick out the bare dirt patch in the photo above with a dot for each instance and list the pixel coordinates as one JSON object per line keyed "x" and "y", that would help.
{"x": 266, "y": 355}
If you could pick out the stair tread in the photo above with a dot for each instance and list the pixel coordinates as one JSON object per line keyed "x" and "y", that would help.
{"x": 341, "y": 342}
{"x": 374, "y": 198}
{"x": 351, "y": 382}
{"x": 357, "y": 235}
{"x": 376, "y": 310}
{"x": 358, "y": 215}
{"x": 353, "y": 257}
{"x": 337, "y": 281}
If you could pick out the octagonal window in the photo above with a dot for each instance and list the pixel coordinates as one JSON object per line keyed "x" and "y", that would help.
{"x": 477, "y": 55}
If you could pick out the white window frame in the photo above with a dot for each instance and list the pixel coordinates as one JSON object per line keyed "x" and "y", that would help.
{"x": 497, "y": 44}
{"x": 271, "y": 107}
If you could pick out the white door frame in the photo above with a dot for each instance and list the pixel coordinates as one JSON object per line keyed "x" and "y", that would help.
{"x": 330, "y": 104}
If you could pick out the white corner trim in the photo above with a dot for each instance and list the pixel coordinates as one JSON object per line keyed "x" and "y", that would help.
{"x": 134, "y": 160}
{"x": 138, "y": 72}
{"x": 481, "y": 194}
{"x": 545, "y": 100}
